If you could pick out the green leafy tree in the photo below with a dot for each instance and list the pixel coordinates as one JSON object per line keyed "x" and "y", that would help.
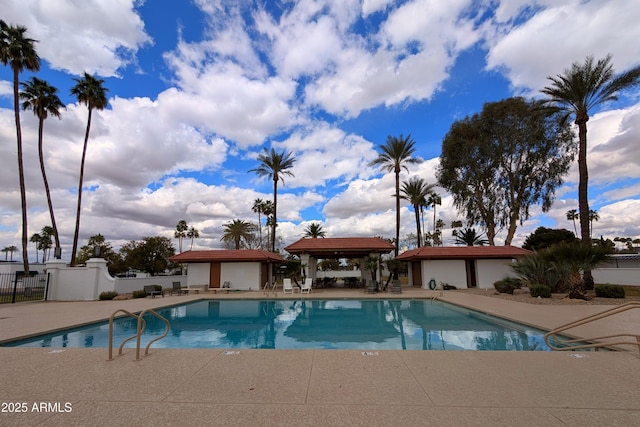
{"x": 236, "y": 231}
{"x": 499, "y": 163}
{"x": 35, "y": 239}
{"x": 415, "y": 191}
{"x": 394, "y": 155}
{"x": 314, "y": 230}
{"x": 42, "y": 98}
{"x": 151, "y": 254}
{"x": 90, "y": 92}
{"x": 181, "y": 233}
{"x": 19, "y": 52}
{"x": 45, "y": 241}
{"x": 274, "y": 165}
{"x": 544, "y": 237}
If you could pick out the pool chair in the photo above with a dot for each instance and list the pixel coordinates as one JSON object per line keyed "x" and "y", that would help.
{"x": 306, "y": 286}
{"x": 287, "y": 287}
{"x": 177, "y": 289}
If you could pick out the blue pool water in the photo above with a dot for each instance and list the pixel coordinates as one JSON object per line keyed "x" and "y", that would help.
{"x": 311, "y": 324}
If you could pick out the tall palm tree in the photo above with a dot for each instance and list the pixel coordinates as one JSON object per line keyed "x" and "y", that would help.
{"x": 91, "y": 92}
{"x": 192, "y": 234}
{"x": 18, "y": 51}
{"x": 395, "y": 155}
{"x": 274, "y": 165}
{"x": 237, "y": 230}
{"x": 45, "y": 241}
{"x": 572, "y": 215}
{"x": 42, "y": 98}
{"x": 593, "y": 216}
{"x": 257, "y": 207}
{"x": 267, "y": 211}
{"x": 35, "y": 239}
{"x": 314, "y": 230}
{"x": 181, "y": 233}
{"x": 10, "y": 249}
{"x": 580, "y": 89}
{"x": 432, "y": 200}
{"x": 415, "y": 190}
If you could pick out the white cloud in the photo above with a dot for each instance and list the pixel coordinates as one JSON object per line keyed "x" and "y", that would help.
{"x": 90, "y": 35}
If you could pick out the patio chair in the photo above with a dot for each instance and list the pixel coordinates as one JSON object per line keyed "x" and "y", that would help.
{"x": 153, "y": 290}
{"x": 287, "y": 287}
{"x": 306, "y": 286}
{"x": 177, "y": 288}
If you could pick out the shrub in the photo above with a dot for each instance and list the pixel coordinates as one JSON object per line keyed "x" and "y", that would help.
{"x": 609, "y": 291}
{"x": 108, "y": 295}
{"x": 139, "y": 294}
{"x": 507, "y": 285}
{"x": 542, "y": 291}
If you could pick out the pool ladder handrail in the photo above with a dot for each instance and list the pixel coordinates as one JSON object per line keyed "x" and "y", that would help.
{"x": 142, "y": 325}
{"x": 570, "y": 344}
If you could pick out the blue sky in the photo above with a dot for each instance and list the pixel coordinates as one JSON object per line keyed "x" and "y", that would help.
{"x": 198, "y": 88}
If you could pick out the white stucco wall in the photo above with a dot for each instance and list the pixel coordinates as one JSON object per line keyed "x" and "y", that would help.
{"x": 490, "y": 271}
{"x": 198, "y": 274}
{"x": 79, "y": 283}
{"x": 241, "y": 275}
{"x": 617, "y": 276}
{"x": 451, "y": 272}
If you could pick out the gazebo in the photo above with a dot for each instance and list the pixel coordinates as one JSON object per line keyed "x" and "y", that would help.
{"x": 311, "y": 249}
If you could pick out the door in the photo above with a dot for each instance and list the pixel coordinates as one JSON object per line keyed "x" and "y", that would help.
{"x": 472, "y": 280}
{"x": 214, "y": 275}
{"x": 416, "y": 273}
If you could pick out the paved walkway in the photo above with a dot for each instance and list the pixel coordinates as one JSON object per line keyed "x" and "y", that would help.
{"x": 315, "y": 387}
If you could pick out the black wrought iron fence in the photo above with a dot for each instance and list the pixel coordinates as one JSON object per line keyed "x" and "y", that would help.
{"x": 18, "y": 287}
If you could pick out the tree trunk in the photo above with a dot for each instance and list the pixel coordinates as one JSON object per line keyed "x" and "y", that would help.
{"x": 275, "y": 210}
{"x": 84, "y": 154}
{"x": 583, "y": 198}
{"x": 416, "y": 208}
{"x": 46, "y": 186}
{"x": 23, "y": 190}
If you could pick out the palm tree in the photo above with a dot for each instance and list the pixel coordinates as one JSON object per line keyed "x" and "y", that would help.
{"x": 18, "y": 51}
{"x": 415, "y": 190}
{"x": 181, "y": 233}
{"x": 267, "y": 211}
{"x": 35, "y": 239}
{"x": 572, "y": 215}
{"x": 578, "y": 90}
{"x": 237, "y": 230}
{"x": 570, "y": 259}
{"x": 314, "y": 230}
{"x": 89, "y": 91}
{"x": 394, "y": 156}
{"x": 257, "y": 207}
{"x": 42, "y": 98}
{"x": 274, "y": 165}
{"x": 45, "y": 241}
{"x": 192, "y": 234}
{"x": 10, "y": 249}
{"x": 433, "y": 200}
{"x": 593, "y": 216}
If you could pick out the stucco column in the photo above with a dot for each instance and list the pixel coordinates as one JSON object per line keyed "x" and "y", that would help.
{"x": 102, "y": 280}
{"x": 53, "y": 268}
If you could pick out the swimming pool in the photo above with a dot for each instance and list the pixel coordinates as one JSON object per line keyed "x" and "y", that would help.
{"x": 311, "y": 324}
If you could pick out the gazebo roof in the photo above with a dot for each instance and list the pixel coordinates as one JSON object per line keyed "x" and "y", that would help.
{"x": 463, "y": 252}
{"x": 242, "y": 255}
{"x": 340, "y": 247}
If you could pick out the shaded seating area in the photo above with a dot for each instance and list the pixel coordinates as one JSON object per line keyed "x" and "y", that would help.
{"x": 287, "y": 286}
{"x": 306, "y": 286}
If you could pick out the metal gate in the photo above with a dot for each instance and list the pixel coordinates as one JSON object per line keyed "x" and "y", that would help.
{"x": 18, "y": 287}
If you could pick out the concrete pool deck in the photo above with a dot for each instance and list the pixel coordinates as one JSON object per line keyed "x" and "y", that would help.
{"x": 316, "y": 387}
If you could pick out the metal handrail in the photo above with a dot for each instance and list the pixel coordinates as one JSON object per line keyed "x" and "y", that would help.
{"x": 142, "y": 325}
{"x": 570, "y": 344}
{"x": 141, "y": 328}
